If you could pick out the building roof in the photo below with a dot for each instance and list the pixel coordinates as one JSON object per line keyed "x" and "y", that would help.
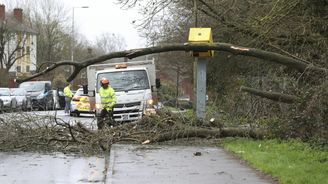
{"x": 14, "y": 25}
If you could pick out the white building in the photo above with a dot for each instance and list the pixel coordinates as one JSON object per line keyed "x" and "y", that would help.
{"x": 21, "y": 34}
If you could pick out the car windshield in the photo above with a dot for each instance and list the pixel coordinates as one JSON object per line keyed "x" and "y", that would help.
{"x": 4, "y": 92}
{"x": 33, "y": 86}
{"x": 18, "y": 92}
{"x": 126, "y": 80}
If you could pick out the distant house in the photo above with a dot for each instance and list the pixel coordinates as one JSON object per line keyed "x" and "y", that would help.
{"x": 21, "y": 34}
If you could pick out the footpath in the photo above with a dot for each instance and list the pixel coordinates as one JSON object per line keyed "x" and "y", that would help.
{"x": 131, "y": 164}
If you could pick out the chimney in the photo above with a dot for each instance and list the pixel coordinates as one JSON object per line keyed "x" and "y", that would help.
{"x": 2, "y": 12}
{"x": 18, "y": 13}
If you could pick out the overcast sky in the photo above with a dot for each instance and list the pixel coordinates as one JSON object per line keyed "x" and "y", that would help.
{"x": 104, "y": 16}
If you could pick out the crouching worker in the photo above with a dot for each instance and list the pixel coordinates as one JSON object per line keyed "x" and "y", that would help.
{"x": 108, "y": 100}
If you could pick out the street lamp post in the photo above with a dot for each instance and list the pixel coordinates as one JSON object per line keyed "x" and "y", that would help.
{"x": 73, "y": 39}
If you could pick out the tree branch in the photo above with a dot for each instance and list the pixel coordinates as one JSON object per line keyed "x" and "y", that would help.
{"x": 270, "y": 95}
{"x": 236, "y": 50}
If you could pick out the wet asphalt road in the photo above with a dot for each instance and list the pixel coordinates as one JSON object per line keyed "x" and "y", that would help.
{"x": 139, "y": 164}
{"x": 34, "y": 168}
{"x": 87, "y": 119}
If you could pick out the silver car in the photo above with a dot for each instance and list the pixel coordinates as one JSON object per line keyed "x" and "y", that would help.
{"x": 22, "y": 97}
{"x": 9, "y": 101}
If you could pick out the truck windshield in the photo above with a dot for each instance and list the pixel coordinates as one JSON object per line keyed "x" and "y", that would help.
{"x": 126, "y": 80}
{"x": 33, "y": 86}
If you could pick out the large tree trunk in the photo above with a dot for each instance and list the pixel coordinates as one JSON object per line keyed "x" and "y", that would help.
{"x": 237, "y": 50}
{"x": 279, "y": 97}
{"x": 208, "y": 133}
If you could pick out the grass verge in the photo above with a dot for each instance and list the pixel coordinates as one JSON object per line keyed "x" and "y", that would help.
{"x": 291, "y": 162}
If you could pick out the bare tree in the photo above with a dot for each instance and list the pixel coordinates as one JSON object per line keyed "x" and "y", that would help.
{"x": 12, "y": 45}
{"x": 49, "y": 17}
{"x": 110, "y": 42}
{"x": 14, "y": 35}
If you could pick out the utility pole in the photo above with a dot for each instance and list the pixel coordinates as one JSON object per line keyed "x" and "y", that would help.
{"x": 195, "y": 62}
{"x": 200, "y": 35}
{"x": 73, "y": 35}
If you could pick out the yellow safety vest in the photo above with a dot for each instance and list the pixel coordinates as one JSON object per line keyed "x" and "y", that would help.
{"x": 68, "y": 92}
{"x": 108, "y": 98}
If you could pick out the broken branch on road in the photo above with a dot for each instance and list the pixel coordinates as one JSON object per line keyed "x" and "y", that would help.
{"x": 52, "y": 134}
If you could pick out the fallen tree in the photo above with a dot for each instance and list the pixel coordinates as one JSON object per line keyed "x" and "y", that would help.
{"x": 278, "y": 97}
{"x": 32, "y": 133}
{"x": 236, "y": 50}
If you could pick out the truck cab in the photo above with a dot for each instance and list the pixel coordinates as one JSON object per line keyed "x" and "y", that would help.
{"x": 134, "y": 85}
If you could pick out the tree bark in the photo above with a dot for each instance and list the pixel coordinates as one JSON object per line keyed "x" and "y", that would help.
{"x": 236, "y": 50}
{"x": 208, "y": 133}
{"x": 270, "y": 95}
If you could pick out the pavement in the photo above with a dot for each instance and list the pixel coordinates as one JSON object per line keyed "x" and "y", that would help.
{"x": 141, "y": 164}
{"x": 137, "y": 164}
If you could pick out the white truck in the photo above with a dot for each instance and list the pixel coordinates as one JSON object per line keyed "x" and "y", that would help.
{"x": 135, "y": 86}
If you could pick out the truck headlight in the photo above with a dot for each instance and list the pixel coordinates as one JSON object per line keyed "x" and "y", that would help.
{"x": 150, "y": 102}
{"x": 149, "y": 107}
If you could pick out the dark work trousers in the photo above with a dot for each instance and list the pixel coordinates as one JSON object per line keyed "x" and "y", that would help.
{"x": 67, "y": 104}
{"x": 106, "y": 116}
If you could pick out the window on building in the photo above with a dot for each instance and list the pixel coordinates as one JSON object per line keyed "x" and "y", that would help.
{"x": 28, "y": 50}
{"x": 19, "y": 52}
{"x": 27, "y": 68}
{"x": 19, "y": 69}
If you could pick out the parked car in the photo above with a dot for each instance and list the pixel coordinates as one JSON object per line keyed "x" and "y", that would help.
{"x": 81, "y": 104}
{"x": 9, "y": 101}
{"x": 46, "y": 101}
{"x": 41, "y": 94}
{"x": 22, "y": 97}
